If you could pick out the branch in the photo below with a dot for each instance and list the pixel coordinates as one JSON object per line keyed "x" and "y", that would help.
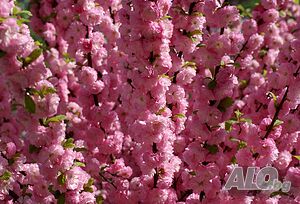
{"x": 239, "y": 54}
{"x": 107, "y": 180}
{"x": 278, "y": 108}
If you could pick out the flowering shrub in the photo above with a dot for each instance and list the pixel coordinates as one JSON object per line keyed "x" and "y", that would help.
{"x": 139, "y": 101}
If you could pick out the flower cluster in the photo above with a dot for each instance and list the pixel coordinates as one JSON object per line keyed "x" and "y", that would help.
{"x": 136, "y": 101}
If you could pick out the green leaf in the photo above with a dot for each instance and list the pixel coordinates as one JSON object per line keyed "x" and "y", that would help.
{"x": 67, "y": 58}
{"x": 233, "y": 139}
{"x": 297, "y": 156}
{"x": 212, "y": 84}
{"x": 87, "y": 187}
{"x": 262, "y": 53}
{"x": 264, "y": 72}
{"x": 22, "y": 21}
{"x": 196, "y": 13}
{"x": 166, "y": 17}
{"x": 2, "y": 19}
{"x": 233, "y": 160}
{"x": 194, "y": 39}
{"x": 33, "y": 149}
{"x": 61, "y": 199}
{"x": 244, "y": 12}
{"x": 2, "y": 53}
{"x": 5, "y": 176}
{"x": 225, "y": 103}
{"x": 61, "y": 179}
{"x": 102, "y": 169}
{"x": 277, "y": 123}
{"x": 14, "y": 158}
{"x": 46, "y": 90}
{"x": 32, "y": 57}
{"x": 55, "y": 119}
{"x": 243, "y": 84}
{"x": 237, "y": 119}
{"x": 201, "y": 45}
{"x": 50, "y": 189}
{"x": 42, "y": 93}
{"x": 242, "y": 144}
{"x": 194, "y": 32}
{"x": 189, "y": 64}
{"x": 246, "y": 120}
{"x": 80, "y": 149}
{"x": 80, "y": 164}
{"x": 25, "y": 12}
{"x": 32, "y": 91}
{"x": 15, "y": 11}
{"x": 193, "y": 173}
{"x": 99, "y": 199}
{"x": 213, "y": 149}
{"x": 90, "y": 182}
{"x": 237, "y": 65}
{"x": 228, "y": 124}
{"x": 297, "y": 1}
{"x": 282, "y": 13}
{"x": 69, "y": 143}
{"x": 179, "y": 115}
{"x": 161, "y": 111}
{"x": 29, "y": 104}
{"x": 250, "y": 4}
{"x": 238, "y": 114}
{"x": 43, "y": 122}
{"x": 22, "y": 16}
{"x": 39, "y": 41}
{"x": 274, "y": 98}
{"x": 165, "y": 76}
{"x": 278, "y": 193}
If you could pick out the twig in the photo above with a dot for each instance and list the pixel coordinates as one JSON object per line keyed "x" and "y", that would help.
{"x": 239, "y": 54}
{"x": 278, "y": 108}
{"x": 90, "y": 64}
{"x": 105, "y": 179}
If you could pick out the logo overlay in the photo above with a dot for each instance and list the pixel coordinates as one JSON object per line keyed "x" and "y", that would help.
{"x": 256, "y": 179}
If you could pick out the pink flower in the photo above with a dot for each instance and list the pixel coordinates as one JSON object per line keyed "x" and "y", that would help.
{"x": 6, "y": 8}
{"x": 88, "y": 198}
{"x": 249, "y": 27}
{"x": 268, "y": 152}
{"x": 295, "y": 50}
{"x": 92, "y": 17}
{"x": 76, "y": 178}
{"x": 255, "y": 41}
{"x": 226, "y": 15}
{"x": 10, "y": 149}
{"x": 269, "y": 4}
{"x": 271, "y": 15}
{"x": 49, "y": 33}
{"x": 293, "y": 175}
{"x": 88, "y": 75}
{"x": 244, "y": 157}
{"x": 186, "y": 76}
{"x": 283, "y": 160}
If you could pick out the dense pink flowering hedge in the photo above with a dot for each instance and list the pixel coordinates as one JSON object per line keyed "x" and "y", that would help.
{"x": 135, "y": 101}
